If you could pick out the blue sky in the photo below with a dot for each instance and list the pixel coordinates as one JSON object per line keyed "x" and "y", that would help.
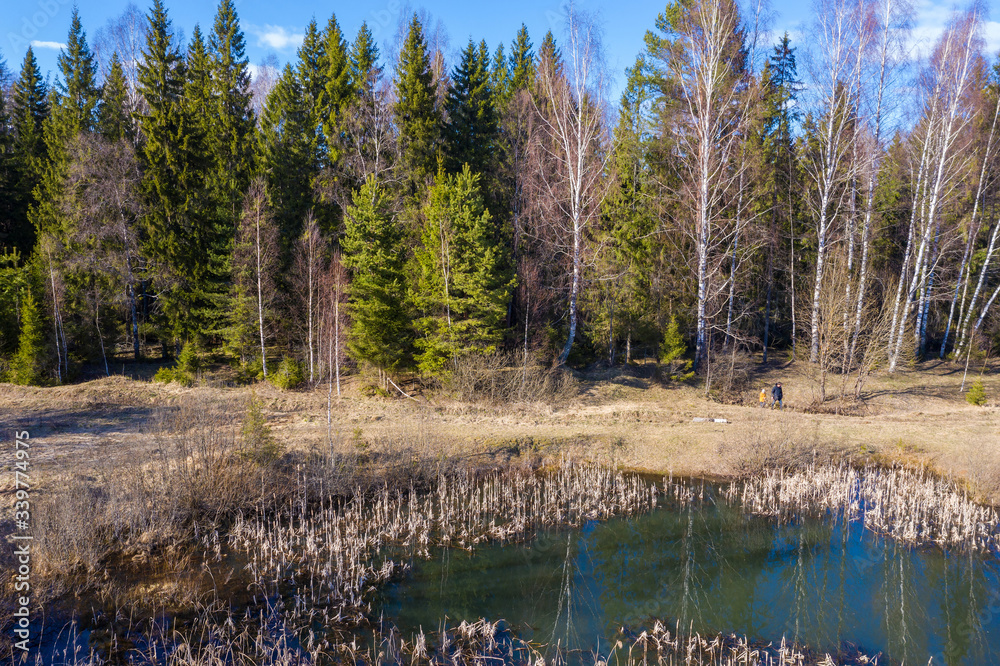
{"x": 276, "y": 26}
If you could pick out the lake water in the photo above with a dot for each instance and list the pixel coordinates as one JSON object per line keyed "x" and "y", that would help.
{"x": 826, "y": 586}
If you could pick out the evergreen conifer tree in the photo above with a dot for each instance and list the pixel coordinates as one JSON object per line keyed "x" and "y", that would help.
{"x": 364, "y": 60}
{"x": 168, "y": 176}
{"x": 288, "y": 154}
{"x": 113, "y": 120}
{"x": 631, "y": 218}
{"x": 337, "y": 88}
{"x": 29, "y": 361}
{"x": 500, "y": 79}
{"x": 472, "y": 130}
{"x": 417, "y": 117}
{"x": 74, "y": 110}
{"x": 7, "y": 173}
{"x": 464, "y": 283}
{"x": 311, "y": 71}
{"x": 522, "y": 61}
{"x": 373, "y": 253}
{"x": 233, "y": 123}
{"x": 672, "y": 353}
{"x": 29, "y": 111}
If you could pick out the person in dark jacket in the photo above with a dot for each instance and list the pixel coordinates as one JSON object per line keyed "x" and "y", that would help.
{"x": 776, "y": 396}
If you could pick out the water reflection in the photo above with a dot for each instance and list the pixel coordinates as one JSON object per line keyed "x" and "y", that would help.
{"x": 712, "y": 569}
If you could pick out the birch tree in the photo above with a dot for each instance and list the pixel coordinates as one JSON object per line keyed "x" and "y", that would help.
{"x": 307, "y": 270}
{"x": 106, "y": 206}
{"x": 572, "y": 134}
{"x": 987, "y": 181}
{"x": 255, "y": 262}
{"x": 944, "y": 85}
{"x": 890, "y": 21}
{"x": 699, "y": 62}
{"x": 841, "y": 35}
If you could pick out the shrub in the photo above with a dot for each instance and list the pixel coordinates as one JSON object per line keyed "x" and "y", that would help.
{"x": 29, "y": 361}
{"x": 259, "y": 443}
{"x": 288, "y": 376}
{"x": 183, "y": 373}
{"x": 188, "y": 361}
{"x": 501, "y": 378}
{"x": 672, "y": 351}
{"x": 976, "y": 394}
{"x": 164, "y": 375}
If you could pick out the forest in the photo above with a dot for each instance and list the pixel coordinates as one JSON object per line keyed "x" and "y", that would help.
{"x": 398, "y": 213}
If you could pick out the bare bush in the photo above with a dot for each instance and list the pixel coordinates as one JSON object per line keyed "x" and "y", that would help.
{"x": 504, "y": 378}
{"x": 765, "y": 440}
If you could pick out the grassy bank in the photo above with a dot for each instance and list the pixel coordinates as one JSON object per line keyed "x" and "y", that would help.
{"x": 623, "y": 416}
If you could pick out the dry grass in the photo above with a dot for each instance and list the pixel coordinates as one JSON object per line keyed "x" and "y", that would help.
{"x": 915, "y": 416}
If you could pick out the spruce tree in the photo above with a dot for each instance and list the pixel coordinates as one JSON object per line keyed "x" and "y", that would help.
{"x": 417, "y": 117}
{"x": 288, "y": 154}
{"x": 167, "y": 177}
{"x": 7, "y": 190}
{"x": 28, "y": 155}
{"x": 337, "y": 89}
{"x": 74, "y": 110}
{"x": 780, "y": 170}
{"x": 472, "y": 131}
{"x": 113, "y": 120}
{"x": 522, "y": 61}
{"x": 549, "y": 52}
{"x": 312, "y": 80}
{"x": 204, "y": 247}
{"x": 233, "y": 140}
{"x": 373, "y": 253}
{"x": 364, "y": 61}
{"x": 28, "y": 366}
{"x": 500, "y": 79}
{"x": 73, "y": 103}
{"x": 632, "y": 223}
{"x": 464, "y": 283}
{"x": 233, "y": 124}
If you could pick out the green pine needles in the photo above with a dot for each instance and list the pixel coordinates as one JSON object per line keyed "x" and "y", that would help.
{"x": 464, "y": 281}
{"x": 28, "y": 367}
{"x": 374, "y": 253}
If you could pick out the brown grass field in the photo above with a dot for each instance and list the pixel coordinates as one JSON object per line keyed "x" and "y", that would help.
{"x": 917, "y": 416}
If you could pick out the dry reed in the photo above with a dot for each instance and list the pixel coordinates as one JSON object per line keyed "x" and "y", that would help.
{"x": 903, "y": 504}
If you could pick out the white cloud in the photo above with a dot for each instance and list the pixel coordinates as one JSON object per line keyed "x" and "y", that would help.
{"x": 991, "y": 31}
{"x": 47, "y": 45}
{"x": 932, "y": 16}
{"x": 276, "y": 36}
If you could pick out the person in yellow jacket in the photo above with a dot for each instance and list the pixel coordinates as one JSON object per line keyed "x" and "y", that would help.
{"x": 763, "y": 397}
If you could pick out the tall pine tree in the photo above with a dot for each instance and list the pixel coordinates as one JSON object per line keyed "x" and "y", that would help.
{"x": 471, "y": 134}
{"x": 288, "y": 156}
{"x": 168, "y": 178}
{"x": 418, "y": 118}
{"x": 374, "y": 254}
{"x": 28, "y": 154}
{"x": 464, "y": 281}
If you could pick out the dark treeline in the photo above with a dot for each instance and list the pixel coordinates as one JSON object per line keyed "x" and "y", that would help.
{"x": 401, "y": 216}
